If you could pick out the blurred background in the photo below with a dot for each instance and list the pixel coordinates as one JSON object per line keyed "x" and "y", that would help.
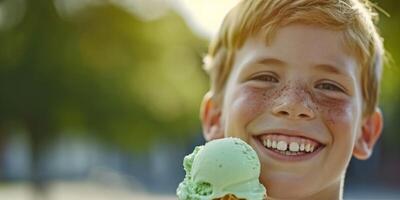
{"x": 99, "y": 99}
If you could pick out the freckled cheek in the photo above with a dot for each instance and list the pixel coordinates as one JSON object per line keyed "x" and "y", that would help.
{"x": 248, "y": 103}
{"x": 339, "y": 119}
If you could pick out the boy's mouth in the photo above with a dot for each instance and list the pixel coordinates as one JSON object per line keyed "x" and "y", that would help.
{"x": 288, "y": 147}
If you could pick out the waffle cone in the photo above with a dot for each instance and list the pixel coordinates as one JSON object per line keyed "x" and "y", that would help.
{"x": 229, "y": 197}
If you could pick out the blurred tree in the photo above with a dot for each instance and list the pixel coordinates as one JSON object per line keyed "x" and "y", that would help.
{"x": 102, "y": 71}
{"x": 390, "y": 27}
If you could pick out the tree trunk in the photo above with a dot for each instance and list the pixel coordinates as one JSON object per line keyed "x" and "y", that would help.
{"x": 3, "y": 138}
{"x": 38, "y": 134}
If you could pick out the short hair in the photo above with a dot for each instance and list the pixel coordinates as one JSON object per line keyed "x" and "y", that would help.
{"x": 355, "y": 18}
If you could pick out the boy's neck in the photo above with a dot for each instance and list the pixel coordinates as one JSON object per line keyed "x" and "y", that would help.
{"x": 333, "y": 192}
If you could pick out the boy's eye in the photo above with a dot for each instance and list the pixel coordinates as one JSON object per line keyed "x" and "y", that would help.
{"x": 265, "y": 77}
{"x": 329, "y": 86}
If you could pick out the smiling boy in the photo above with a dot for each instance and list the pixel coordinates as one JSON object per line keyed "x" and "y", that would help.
{"x": 297, "y": 80}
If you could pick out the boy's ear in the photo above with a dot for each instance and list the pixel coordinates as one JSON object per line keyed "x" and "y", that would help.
{"x": 210, "y": 114}
{"x": 370, "y": 131}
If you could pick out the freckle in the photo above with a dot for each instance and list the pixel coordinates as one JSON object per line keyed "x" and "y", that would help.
{"x": 318, "y": 108}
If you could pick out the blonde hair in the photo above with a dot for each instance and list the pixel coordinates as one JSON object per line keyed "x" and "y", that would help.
{"x": 354, "y": 17}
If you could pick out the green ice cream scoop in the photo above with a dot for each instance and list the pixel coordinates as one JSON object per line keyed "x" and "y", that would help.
{"x": 221, "y": 167}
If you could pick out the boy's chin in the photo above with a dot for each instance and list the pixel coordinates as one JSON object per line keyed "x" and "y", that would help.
{"x": 287, "y": 186}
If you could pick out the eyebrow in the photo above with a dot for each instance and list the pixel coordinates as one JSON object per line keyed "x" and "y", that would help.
{"x": 271, "y": 61}
{"x": 328, "y": 68}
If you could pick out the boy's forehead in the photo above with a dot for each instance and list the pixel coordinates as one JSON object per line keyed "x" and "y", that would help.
{"x": 296, "y": 45}
{"x": 301, "y": 40}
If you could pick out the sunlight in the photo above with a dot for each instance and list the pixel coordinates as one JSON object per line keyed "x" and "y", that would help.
{"x": 204, "y": 17}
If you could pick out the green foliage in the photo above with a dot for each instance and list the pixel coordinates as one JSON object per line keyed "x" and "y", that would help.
{"x": 103, "y": 72}
{"x": 390, "y": 93}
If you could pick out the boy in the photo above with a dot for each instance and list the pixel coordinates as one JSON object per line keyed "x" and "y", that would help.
{"x": 297, "y": 80}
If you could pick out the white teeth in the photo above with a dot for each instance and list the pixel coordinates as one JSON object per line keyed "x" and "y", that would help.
{"x": 293, "y": 146}
{"x": 307, "y": 148}
{"x": 269, "y": 143}
{"x": 265, "y": 143}
{"x": 302, "y": 147}
{"x": 273, "y": 144}
{"x": 282, "y": 145}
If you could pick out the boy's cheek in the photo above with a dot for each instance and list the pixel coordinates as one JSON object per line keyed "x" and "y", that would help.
{"x": 242, "y": 106}
{"x": 339, "y": 115}
{"x": 249, "y": 102}
{"x": 340, "y": 118}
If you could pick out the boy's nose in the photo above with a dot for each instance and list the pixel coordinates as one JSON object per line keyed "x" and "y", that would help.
{"x": 293, "y": 110}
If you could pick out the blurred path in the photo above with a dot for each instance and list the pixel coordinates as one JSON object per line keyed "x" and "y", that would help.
{"x": 99, "y": 191}
{"x": 76, "y": 191}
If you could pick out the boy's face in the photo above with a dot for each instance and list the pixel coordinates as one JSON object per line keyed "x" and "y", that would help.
{"x": 303, "y": 88}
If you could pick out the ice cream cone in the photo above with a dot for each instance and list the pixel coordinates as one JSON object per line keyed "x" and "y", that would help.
{"x": 210, "y": 167}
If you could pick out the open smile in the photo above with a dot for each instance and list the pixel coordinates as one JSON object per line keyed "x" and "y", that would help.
{"x": 288, "y": 147}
